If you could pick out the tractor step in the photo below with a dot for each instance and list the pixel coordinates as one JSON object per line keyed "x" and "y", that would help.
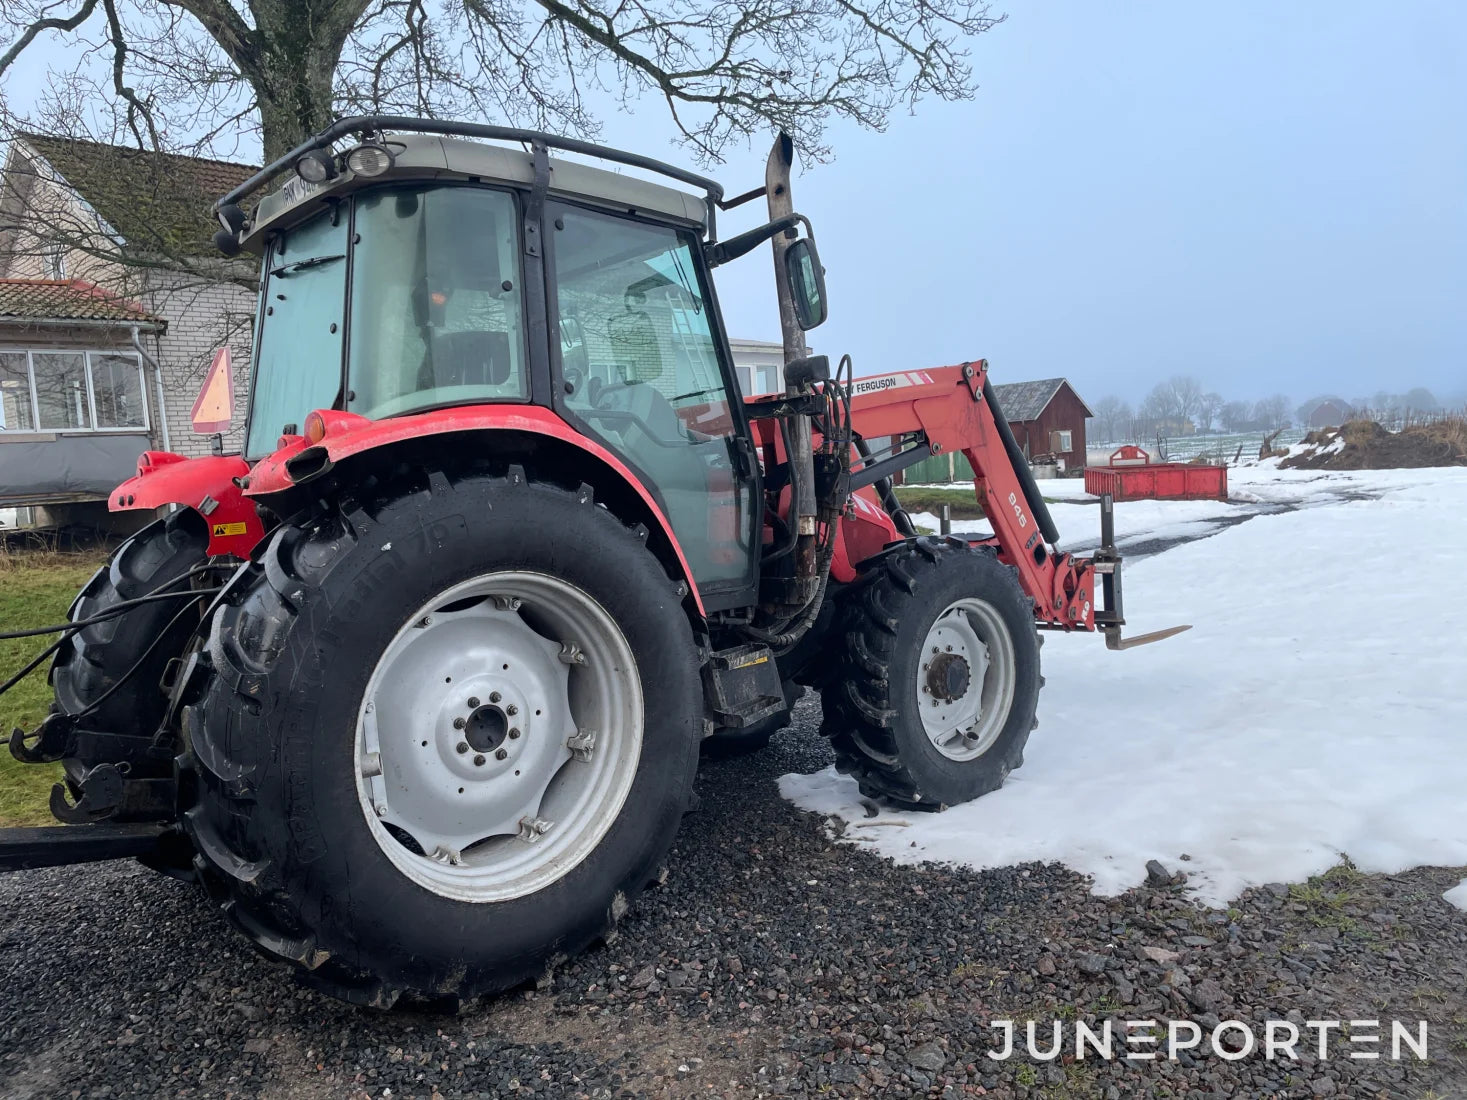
{"x": 59, "y": 845}
{"x": 742, "y": 686}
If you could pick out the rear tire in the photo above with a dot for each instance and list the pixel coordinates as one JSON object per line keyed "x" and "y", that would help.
{"x": 953, "y": 620}
{"x": 284, "y": 822}
{"x": 94, "y": 658}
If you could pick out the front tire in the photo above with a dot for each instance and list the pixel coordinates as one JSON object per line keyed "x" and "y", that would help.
{"x": 340, "y": 823}
{"x": 939, "y": 679}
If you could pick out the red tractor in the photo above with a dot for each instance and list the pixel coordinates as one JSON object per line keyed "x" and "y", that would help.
{"x": 415, "y": 685}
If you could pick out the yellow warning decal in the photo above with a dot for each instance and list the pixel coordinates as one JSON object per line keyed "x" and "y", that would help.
{"x": 224, "y": 530}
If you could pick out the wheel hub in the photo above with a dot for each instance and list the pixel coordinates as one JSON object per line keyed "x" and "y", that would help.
{"x": 486, "y": 729}
{"x": 948, "y": 677}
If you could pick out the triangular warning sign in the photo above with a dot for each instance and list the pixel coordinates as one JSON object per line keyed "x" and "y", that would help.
{"x": 214, "y": 407}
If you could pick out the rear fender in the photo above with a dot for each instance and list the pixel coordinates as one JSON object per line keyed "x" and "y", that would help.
{"x": 210, "y": 486}
{"x": 300, "y": 461}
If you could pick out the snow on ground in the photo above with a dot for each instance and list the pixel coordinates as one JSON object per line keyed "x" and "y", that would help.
{"x": 1457, "y": 895}
{"x": 1315, "y": 710}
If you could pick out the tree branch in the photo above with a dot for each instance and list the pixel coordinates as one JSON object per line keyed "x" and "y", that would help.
{"x": 28, "y": 35}
{"x": 136, "y": 106}
{"x": 225, "y": 26}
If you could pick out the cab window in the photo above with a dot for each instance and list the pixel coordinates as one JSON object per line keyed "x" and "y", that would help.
{"x": 641, "y": 370}
{"x": 436, "y": 317}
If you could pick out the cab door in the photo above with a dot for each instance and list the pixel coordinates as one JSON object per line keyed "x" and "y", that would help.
{"x": 643, "y": 368}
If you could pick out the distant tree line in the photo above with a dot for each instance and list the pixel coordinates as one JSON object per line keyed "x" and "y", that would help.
{"x": 1182, "y": 405}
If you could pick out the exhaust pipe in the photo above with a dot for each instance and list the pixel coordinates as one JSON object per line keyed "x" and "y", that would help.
{"x": 802, "y": 455}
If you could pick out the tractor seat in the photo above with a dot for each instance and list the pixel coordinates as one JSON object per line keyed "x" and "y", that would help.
{"x": 471, "y": 358}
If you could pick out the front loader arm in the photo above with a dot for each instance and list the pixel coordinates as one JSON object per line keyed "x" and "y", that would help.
{"x": 944, "y": 409}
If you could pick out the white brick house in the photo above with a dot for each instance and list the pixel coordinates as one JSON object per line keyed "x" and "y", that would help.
{"x": 133, "y": 229}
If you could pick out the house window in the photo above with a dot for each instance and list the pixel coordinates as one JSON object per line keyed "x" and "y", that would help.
{"x": 54, "y": 261}
{"x": 17, "y": 412}
{"x": 71, "y": 391}
{"x": 757, "y": 380}
{"x": 1061, "y": 441}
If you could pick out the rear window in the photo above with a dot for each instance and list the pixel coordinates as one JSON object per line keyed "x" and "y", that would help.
{"x": 436, "y": 317}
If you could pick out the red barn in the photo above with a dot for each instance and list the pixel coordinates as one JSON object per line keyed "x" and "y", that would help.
{"x": 1047, "y": 418}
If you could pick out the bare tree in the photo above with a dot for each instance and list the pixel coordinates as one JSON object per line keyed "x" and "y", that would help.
{"x": 1186, "y": 396}
{"x": 212, "y": 71}
{"x": 1209, "y": 405}
{"x": 1235, "y": 416}
{"x": 1158, "y": 406}
{"x": 1272, "y": 412}
{"x": 1112, "y": 420}
{"x": 1419, "y": 400}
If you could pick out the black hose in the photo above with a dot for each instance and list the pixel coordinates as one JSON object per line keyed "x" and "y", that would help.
{"x": 111, "y": 613}
{"x": 66, "y": 630}
{"x": 162, "y": 635}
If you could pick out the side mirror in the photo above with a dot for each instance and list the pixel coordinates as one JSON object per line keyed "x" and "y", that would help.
{"x": 807, "y": 282}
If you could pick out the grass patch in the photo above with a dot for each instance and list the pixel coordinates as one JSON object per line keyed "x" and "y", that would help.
{"x": 963, "y": 500}
{"x": 1326, "y": 895}
{"x": 35, "y": 590}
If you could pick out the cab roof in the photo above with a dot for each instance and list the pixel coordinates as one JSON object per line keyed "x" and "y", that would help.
{"x": 419, "y": 157}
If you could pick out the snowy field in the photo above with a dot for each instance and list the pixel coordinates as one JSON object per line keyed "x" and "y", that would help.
{"x": 1316, "y": 710}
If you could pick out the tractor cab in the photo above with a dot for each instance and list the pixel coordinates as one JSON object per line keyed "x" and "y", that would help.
{"x": 423, "y": 273}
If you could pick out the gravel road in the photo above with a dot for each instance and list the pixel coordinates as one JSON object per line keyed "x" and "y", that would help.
{"x": 772, "y": 963}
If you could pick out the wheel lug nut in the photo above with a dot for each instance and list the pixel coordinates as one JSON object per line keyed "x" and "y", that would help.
{"x": 494, "y": 697}
{"x": 478, "y": 761}
{"x": 463, "y": 747}
{"x": 514, "y": 733}
{"x": 511, "y": 709}
{"x": 459, "y": 723}
{"x": 473, "y": 700}
{"x": 501, "y": 754}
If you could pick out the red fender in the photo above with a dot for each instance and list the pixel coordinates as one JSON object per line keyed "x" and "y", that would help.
{"x": 210, "y": 486}
{"x": 346, "y": 434}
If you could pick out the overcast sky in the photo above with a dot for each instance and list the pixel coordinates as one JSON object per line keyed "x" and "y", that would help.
{"x": 1272, "y": 197}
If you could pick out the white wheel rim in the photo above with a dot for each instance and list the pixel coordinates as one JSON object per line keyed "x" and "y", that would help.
{"x": 966, "y": 679}
{"x": 499, "y": 736}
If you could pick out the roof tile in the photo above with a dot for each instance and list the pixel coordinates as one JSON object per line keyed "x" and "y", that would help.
{"x": 67, "y": 300}
{"x": 158, "y": 202}
{"x": 1025, "y": 401}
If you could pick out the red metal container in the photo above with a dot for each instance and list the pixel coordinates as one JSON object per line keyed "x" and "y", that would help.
{"x": 1158, "y": 481}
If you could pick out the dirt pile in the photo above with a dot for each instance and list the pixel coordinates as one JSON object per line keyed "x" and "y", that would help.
{"x": 1365, "y": 445}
